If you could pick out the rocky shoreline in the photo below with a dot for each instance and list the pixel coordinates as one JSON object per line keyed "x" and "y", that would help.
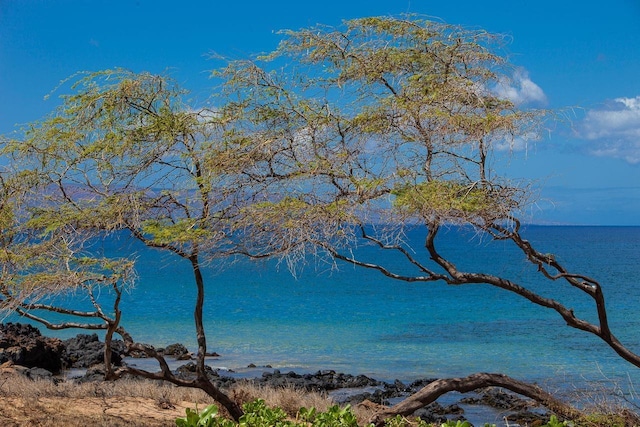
{"x": 35, "y": 356}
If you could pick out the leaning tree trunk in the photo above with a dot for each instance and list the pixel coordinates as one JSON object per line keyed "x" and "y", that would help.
{"x": 437, "y": 388}
{"x": 202, "y": 380}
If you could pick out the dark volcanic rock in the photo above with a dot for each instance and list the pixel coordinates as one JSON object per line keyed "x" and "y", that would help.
{"x": 528, "y": 418}
{"x": 506, "y": 401}
{"x": 380, "y": 396}
{"x": 419, "y": 384}
{"x": 435, "y": 413}
{"x": 85, "y": 350}
{"x": 24, "y": 345}
{"x": 176, "y": 350}
{"x": 95, "y": 373}
{"x": 188, "y": 371}
{"x": 497, "y": 398}
{"x": 320, "y": 381}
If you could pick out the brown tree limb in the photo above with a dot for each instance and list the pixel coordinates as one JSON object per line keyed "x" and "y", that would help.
{"x": 587, "y": 285}
{"x": 435, "y": 389}
{"x": 201, "y": 381}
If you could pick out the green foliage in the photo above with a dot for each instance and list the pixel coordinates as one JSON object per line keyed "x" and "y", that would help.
{"x": 554, "y": 422}
{"x": 291, "y": 214}
{"x": 414, "y": 92}
{"x": 336, "y": 417}
{"x": 458, "y": 423}
{"x": 257, "y": 414}
{"x": 207, "y": 418}
{"x": 445, "y": 198}
{"x": 603, "y": 420}
{"x": 165, "y": 232}
{"x": 400, "y": 421}
{"x": 307, "y": 414}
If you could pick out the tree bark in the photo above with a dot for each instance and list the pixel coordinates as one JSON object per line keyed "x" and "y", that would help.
{"x": 231, "y": 406}
{"x": 198, "y": 314}
{"x": 202, "y": 380}
{"x": 434, "y": 390}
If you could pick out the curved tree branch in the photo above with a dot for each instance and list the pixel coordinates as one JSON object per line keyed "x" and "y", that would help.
{"x": 592, "y": 288}
{"x": 435, "y": 389}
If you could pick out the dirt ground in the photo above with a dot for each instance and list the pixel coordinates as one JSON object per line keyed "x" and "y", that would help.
{"x": 27, "y": 402}
{"x": 89, "y": 411}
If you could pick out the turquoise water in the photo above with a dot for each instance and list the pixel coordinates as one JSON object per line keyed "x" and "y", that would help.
{"x": 357, "y": 321}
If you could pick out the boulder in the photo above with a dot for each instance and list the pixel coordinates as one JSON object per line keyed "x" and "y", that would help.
{"x": 497, "y": 398}
{"x": 188, "y": 371}
{"x": 530, "y": 418}
{"x": 23, "y": 345}
{"x": 9, "y": 369}
{"x": 85, "y": 350}
{"x": 320, "y": 381}
{"x": 178, "y": 350}
{"x": 39, "y": 373}
{"x": 95, "y": 373}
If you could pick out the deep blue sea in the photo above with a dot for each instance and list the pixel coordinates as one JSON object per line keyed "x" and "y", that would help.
{"x": 357, "y": 321}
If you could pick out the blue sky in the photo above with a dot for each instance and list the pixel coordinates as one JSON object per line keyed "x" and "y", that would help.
{"x": 579, "y": 58}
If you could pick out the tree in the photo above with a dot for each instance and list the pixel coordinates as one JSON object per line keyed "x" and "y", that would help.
{"x": 41, "y": 267}
{"x": 341, "y": 137}
{"x": 124, "y": 153}
{"x": 391, "y": 123}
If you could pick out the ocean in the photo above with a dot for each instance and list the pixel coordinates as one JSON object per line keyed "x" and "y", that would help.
{"x": 357, "y": 321}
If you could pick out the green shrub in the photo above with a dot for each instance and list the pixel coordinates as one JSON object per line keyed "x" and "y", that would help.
{"x": 554, "y": 422}
{"x": 458, "y": 423}
{"x": 400, "y": 421}
{"x": 207, "y": 418}
{"x": 603, "y": 420}
{"x": 336, "y": 417}
{"x": 258, "y": 414}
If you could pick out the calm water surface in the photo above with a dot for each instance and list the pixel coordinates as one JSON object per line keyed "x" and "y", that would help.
{"x": 359, "y": 322}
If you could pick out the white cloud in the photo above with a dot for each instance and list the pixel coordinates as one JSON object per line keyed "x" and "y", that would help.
{"x": 518, "y": 143}
{"x": 614, "y": 130}
{"x": 520, "y": 89}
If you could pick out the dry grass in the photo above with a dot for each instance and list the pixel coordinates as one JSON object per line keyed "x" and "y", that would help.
{"x": 20, "y": 386}
{"x": 287, "y": 398}
{"x": 608, "y": 404}
{"x": 26, "y": 402}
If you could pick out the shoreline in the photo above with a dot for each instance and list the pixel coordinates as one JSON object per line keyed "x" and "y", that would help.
{"x": 479, "y": 407}
{"x": 84, "y": 354}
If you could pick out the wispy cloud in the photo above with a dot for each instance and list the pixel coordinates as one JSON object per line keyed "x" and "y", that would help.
{"x": 613, "y": 130}
{"x": 520, "y": 89}
{"x": 519, "y": 143}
